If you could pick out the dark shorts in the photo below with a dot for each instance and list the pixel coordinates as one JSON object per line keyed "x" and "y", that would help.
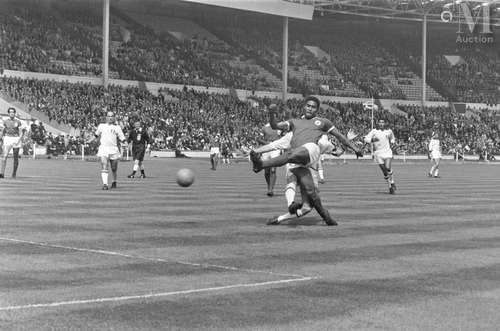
{"x": 138, "y": 153}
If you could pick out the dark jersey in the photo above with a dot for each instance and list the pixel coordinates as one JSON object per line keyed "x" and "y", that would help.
{"x": 139, "y": 138}
{"x": 12, "y": 128}
{"x": 308, "y": 131}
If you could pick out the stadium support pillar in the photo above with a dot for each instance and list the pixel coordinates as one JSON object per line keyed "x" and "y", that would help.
{"x": 284, "y": 68}
{"x": 105, "y": 44}
{"x": 424, "y": 58}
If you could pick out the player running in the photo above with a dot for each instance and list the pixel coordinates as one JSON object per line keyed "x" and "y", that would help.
{"x": 11, "y": 138}
{"x": 141, "y": 144}
{"x": 109, "y": 134}
{"x": 382, "y": 138}
{"x": 434, "y": 155}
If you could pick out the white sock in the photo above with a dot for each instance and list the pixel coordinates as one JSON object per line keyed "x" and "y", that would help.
{"x": 136, "y": 167}
{"x": 436, "y": 172}
{"x": 104, "y": 176}
{"x": 304, "y": 210}
{"x": 290, "y": 193}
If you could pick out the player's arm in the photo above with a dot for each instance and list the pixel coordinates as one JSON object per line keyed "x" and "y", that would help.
{"x": 392, "y": 141}
{"x": 275, "y": 125}
{"x": 23, "y": 131}
{"x": 346, "y": 142}
{"x": 149, "y": 141}
{"x": 260, "y": 139}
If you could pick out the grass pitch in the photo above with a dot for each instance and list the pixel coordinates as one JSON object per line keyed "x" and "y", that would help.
{"x": 151, "y": 255}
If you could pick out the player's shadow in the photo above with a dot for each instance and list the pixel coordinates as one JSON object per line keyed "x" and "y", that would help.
{"x": 307, "y": 221}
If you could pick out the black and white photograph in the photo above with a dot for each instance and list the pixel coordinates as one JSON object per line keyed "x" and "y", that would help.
{"x": 257, "y": 165}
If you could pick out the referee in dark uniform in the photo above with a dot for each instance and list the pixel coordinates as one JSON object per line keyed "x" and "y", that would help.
{"x": 141, "y": 144}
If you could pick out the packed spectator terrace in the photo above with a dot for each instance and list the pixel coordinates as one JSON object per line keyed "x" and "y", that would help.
{"x": 333, "y": 57}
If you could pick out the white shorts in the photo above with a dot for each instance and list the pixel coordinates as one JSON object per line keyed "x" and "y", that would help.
{"x": 314, "y": 154}
{"x": 435, "y": 155}
{"x": 111, "y": 152}
{"x": 291, "y": 178}
{"x": 270, "y": 155}
{"x": 380, "y": 158}
{"x": 325, "y": 145}
{"x": 214, "y": 150}
{"x": 11, "y": 142}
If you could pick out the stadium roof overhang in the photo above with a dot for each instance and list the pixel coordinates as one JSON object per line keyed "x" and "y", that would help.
{"x": 413, "y": 10}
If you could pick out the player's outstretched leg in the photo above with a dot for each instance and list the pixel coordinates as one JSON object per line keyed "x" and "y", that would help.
{"x": 298, "y": 156}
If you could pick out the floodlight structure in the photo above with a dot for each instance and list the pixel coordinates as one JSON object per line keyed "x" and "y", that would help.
{"x": 410, "y": 10}
{"x": 105, "y": 44}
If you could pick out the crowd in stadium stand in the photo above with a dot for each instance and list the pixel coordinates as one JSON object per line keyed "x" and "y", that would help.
{"x": 63, "y": 39}
{"x": 191, "y": 120}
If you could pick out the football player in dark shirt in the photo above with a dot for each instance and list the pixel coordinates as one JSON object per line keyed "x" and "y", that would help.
{"x": 304, "y": 151}
{"x": 11, "y": 137}
{"x": 141, "y": 144}
{"x": 307, "y": 131}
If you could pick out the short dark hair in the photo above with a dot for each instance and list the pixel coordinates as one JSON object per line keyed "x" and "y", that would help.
{"x": 11, "y": 108}
{"x": 313, "y": 98}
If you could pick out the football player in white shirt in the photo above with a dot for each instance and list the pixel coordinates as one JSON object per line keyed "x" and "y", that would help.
{"x": 434, "y": 155}
{"x": 382, "y": 138}
{"x": 109, "y": 135}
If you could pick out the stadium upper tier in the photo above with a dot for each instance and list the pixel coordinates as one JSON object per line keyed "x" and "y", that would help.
{"x": 224, "y": 48}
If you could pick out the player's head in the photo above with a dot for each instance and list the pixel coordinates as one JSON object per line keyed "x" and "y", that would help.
{"x": 110, "y": 117}
{"x": 381, "y": 123}
{"x": 137, "y": 124}
{"x": 311, "y": 107}
{"x": 12, "y": 112}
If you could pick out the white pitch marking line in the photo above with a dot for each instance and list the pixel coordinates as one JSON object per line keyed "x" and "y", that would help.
{"x": 151, "y": 295}
{"x": 104, "y": 252}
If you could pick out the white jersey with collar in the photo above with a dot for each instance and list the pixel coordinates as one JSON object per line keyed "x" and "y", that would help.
{"x": 109, "y": 134}
{"x": 381, "y": 139}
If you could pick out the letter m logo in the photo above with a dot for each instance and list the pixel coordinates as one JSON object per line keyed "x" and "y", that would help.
{"x": 473, "y": 18}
